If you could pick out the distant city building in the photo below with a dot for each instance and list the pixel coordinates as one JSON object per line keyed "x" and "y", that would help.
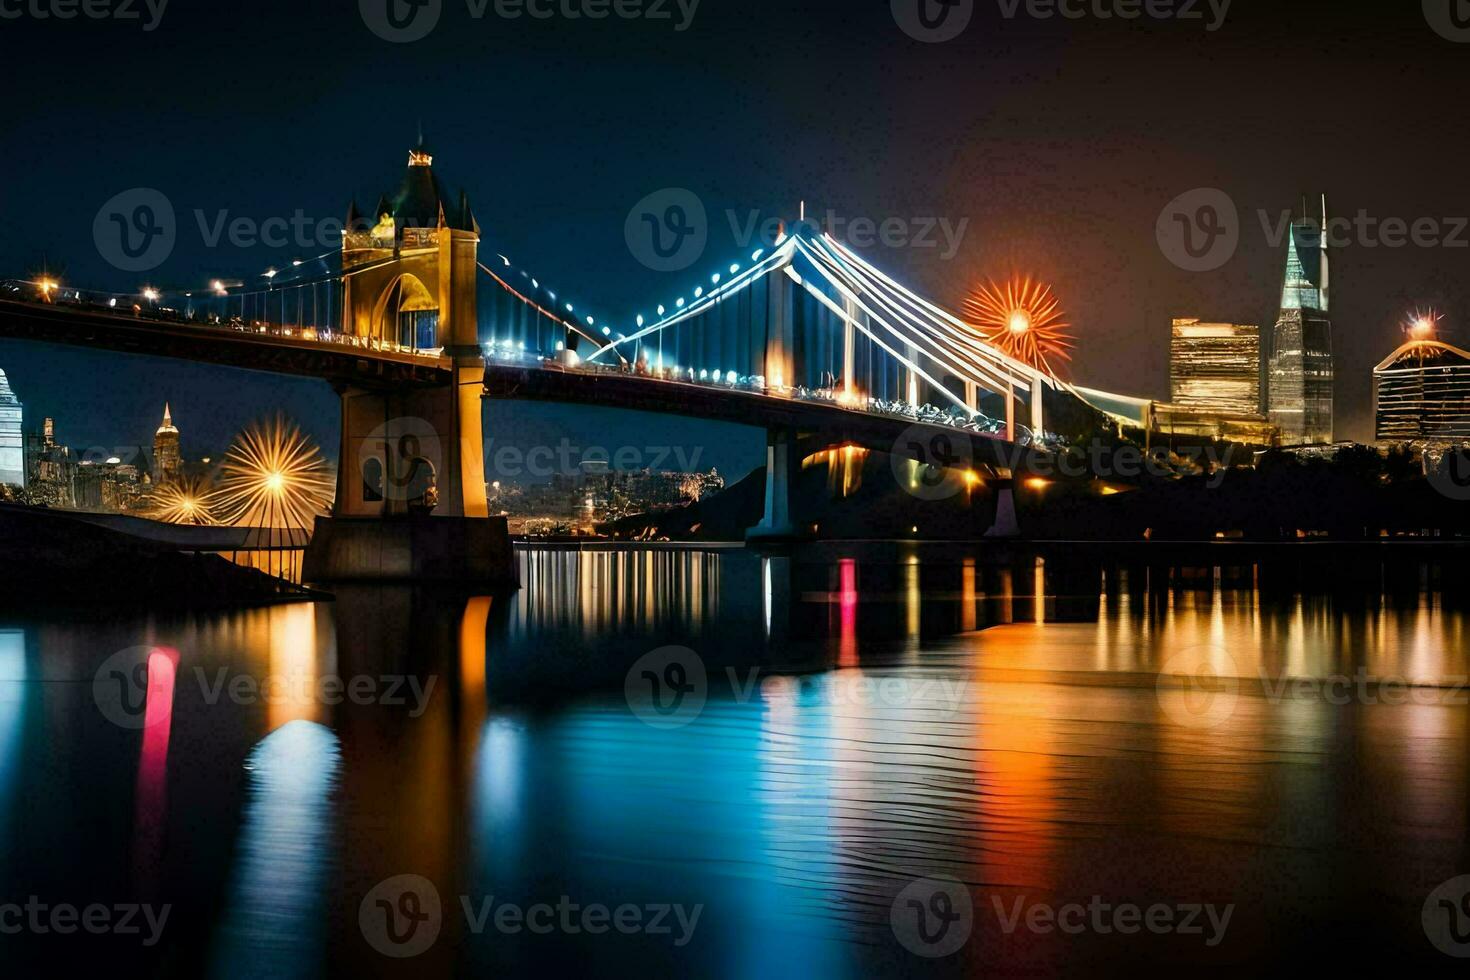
{"x": 1421, "y": 394}
{"x": 1300, "y": 380}
{"x": 110, "y": 487}
{"x": 599, "y": 493}
{"x": 12, "y": 436}
{"x": 1251, "y": 429}
{"x": 168, "y": 462}
{"x": 50, "y": 469}
{"x": 1215, "y": 367}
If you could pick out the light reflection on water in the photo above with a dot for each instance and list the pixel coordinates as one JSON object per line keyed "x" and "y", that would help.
{"x": 858, "y": 734}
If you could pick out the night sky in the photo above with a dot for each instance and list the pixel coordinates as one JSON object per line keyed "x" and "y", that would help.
{"x": 1060, "y": 140}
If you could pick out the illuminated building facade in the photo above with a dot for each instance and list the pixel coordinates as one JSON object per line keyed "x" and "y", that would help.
{"x": 1300, "y": 380}
{"x": 1421, "y": 394}
{"x": 109, "y": 487}
{"x": 168, "y": 462}
{"x": 12, "y": 436}
{"x": 1215, "y": 367}
{"x": 50, "y": 469}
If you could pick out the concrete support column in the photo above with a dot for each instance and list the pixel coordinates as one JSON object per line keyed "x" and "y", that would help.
{"x": 414, "y": 450}
{"x": 780, "y": 366}
{"x": 1006, "y": 523}
{"x": 1038, "y": 416}
{"x": 782, "y": 465}
{"x": 849, "y": 347}
{"x": 1010, "y": 411}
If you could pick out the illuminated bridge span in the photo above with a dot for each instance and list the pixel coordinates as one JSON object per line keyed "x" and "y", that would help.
{"x": 805, "y": 339}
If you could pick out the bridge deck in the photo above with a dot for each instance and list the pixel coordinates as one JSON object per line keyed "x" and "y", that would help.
{"x": 83, "y": 326}
{"x": 819, "y": 424}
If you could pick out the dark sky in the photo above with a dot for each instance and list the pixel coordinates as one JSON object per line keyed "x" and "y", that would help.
{"x": 1059, "y": 140}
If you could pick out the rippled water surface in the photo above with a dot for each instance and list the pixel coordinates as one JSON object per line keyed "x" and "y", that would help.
{"x": 839, "y": 746}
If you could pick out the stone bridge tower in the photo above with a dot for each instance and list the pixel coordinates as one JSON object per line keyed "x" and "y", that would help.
{"x": 411, "y": 500}
{"x": 410, "y": 278}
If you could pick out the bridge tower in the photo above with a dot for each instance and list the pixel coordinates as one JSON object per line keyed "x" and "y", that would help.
{"x": 410, "y": 276}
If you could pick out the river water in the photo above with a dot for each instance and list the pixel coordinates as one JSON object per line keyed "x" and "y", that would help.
{"x": 863, "y": 761}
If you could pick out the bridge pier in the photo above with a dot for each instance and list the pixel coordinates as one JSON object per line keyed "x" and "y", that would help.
{"x": 411, "y": 503}
{"x": 1006, "y": 523}
{"x": 783, "y": 463}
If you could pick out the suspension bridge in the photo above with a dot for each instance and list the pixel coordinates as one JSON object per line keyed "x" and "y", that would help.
{"x": 414, "y": 327}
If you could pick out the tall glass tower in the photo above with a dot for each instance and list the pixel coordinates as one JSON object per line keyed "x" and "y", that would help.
{"x": 1300, "y": 380}
{"x": 12, "y": 436}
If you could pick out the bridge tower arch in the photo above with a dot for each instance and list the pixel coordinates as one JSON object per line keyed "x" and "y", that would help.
{"x": 409, "y": 282}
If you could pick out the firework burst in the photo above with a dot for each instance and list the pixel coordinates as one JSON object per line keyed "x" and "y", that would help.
{"x": 1023, "y": 319}
{"x": 183, "y": 501}
{"x": 1422, "y": 325}
{"x": 273, "y": 477}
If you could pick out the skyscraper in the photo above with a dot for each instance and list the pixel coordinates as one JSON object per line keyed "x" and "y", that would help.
{"x": 1421, "y": 394}
{"x": 12, "y": 436}
{"x": 1300, "y": 380}
{"x": 1215, "y": 367}
{"x": 168, "y": 462}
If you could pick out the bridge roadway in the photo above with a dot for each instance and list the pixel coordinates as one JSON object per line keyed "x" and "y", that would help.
{"x": 242, "y": 347}
{"x": 818, "y": 424}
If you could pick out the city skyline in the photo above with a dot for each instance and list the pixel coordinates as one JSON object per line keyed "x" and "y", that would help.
{"x": 575, "y": 230}
{"x": 728, "y": 488}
